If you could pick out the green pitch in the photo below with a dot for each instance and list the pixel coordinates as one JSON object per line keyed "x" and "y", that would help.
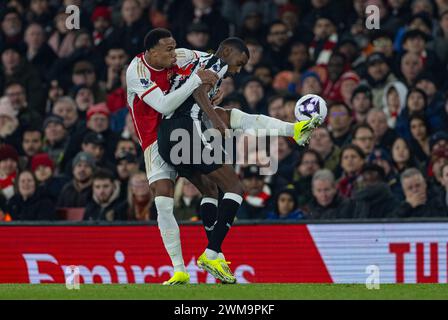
{"x": 223, "y": 292}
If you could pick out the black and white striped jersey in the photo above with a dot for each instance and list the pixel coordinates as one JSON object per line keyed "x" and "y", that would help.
{"x": 200, "y": 60}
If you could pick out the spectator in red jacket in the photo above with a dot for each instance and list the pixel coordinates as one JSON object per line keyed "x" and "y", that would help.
{"x": 9, "y": 159}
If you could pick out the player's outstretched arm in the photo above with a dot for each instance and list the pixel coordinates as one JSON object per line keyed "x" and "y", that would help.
{"x": 166, "y": 104}
{"x": 202, "y": 99}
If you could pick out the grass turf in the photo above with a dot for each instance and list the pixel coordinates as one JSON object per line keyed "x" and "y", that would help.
{"x": 224, "y": 292}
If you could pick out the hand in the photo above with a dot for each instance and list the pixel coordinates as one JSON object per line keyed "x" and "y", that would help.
{"x": 416, "y": 199}
{"x": 219, "y": 125}
{"x": 208, "y": 77}
{"x": 217, "y": 99}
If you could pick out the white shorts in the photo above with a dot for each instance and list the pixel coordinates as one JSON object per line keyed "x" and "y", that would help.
{"x": 156, "y": 167}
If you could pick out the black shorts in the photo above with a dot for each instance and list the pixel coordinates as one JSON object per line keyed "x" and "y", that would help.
{"x": 189, "y": 150}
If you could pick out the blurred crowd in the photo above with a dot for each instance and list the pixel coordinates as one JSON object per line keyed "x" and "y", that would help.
{"x": 68, "y": 149}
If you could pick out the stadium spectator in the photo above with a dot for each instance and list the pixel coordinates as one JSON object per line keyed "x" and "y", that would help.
{"x": 253, "y": 93}
{"x": 410, "y": 67}
{"x": 364, "y": 138}
{"x": 340, "y": 122}
{"x": 257, "y": 195}
{"x": 310, "y": 83}
{"x": 9, "y": 159}
{"x": 26, "y": 113}
{"x": 401, "y": 155}
{"x": 286, "y": 206}
{"x": 419, "y": 137}
{"x": 321, "y": 142}
{"x": 378, "y": 76}
{"x": 11, "y": 28}
{"x": 55, "y": 138}
{"x": 275, "y": 107}
{"x": 444, "y": 181}
{"x": 40, "y": 12}
{"x": 326, "y": 202}
{"x": 309, "y": 162}
{"x": 440, "y": 42}
{"x": 277, "y": 48}
{"x": 384, "y": 136}
{"x": 187, "y": 201}
{"x": 115, "y": 60}
{"x": 65, "y": 107}
{"x": 38, "y": 52}
{"x": 102, "y": 25}
{"x": 94, "y": 144}
{"x": 418, "y": 203}
{"x": 32, "y": 143}
{"x": 84, "y": 98}
{"x": 325, "y": 40}
{"x": 416, "y": 102}
{"x": 126, "y": 166}
{"x": 361, "y": 103}
{"x": 352, "y": 160}
{"x": 9, "y": 125}
{"x": 394, "y": 101}
{"x": 251, "y": 22}
{"x": 198, "y": 36}
{"x": 105, "y": 198}
{"x": 62, "y": 39}
{"x": 77, "y": 192}
{"x": 138, "y": 205}
{"x": 29, "y": 203}
{"x": 374, "y": 198}
{"x": 44, "y": 171}
{"x": 333, "y": 78}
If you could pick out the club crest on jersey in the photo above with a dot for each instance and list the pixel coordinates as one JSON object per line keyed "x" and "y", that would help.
{"x": 145, "y": 83}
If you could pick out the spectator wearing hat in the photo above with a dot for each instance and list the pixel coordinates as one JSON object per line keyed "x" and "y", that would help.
{"x": 309, "y": 162}
{"x": 15, "y": 69}
{"x": 9, "y": 125}
{"x": 361, "y": 102}
{"x": 251, "y": 24}
{"x": 78, "y": 191}
{"x": 384, "y": 136}
{"x": 9, "y": 160}
{"x": 382, "y": 158}
{"x": 286, "y": 206}
{"x": 104, "y": 204}
{"x": 198, "y": 37}
{"x": 38, "y": 52}
{"x": 257, "y": 195}
{"x": 30, "y": 203}
{"x": 44, "y": 171}
{"x": 126, "y": 165}
{"x": 55, "y": 138}
{"x": 394, "y": 101}
{"x": 133, "y": 28}
{"x": 94, "y": 144}
{"x": 102, "y": 25}
{"x": 84, "y": 98}
{"x": 26, "y": 113}
{"x": 378, "y": 76}
{"x": 321, "y": 142}
{"x": 325, "y": 40}
{"x": 32, "y": 144}
{"x": 11, "y": 28}
{"x": 382, "y": 42}
{"x": 349, "y": 81}
{"x": 374, "y": 198}
{"x": 418, "y": 201}
{"x": 326, "y": 202}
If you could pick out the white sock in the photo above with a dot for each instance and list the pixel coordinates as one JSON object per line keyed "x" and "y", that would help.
{"x": 221, "y": 256}
{"x": 251, "y": 123}
{"x": 169, "y": 230}
{"x": 211, "y": 254}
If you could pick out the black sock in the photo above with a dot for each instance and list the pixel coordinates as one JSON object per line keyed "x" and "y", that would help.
{"x": 226, "y": 214}
{"x": 209, "y": 213}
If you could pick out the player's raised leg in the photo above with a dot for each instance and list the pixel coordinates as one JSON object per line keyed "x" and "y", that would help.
{"x": 261, "y": 125}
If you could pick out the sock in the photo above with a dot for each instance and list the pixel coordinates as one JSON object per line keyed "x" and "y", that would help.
{"x": 209, "y": 213}
{"x": 169, "y": 230}
{"x": 250, "y": 123}
{"x": 226, "y": 214}
{"x": 211, "y": 254}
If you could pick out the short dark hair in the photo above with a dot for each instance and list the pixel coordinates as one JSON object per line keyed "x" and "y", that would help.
{"x": 235, "y": 43}
{"x": 361, "y": 126}
{"x": 153, "y": 37}
{"x": 340, "y": 104}
{"x": 353, "y": 147}
{"x": 320, "y": 161}
{"x": 103, "y": 174}
{"x": 32, "y": 129}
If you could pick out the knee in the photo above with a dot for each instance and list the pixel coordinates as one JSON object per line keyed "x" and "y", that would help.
{"x": 237, "y": 188}
{"x": 162, "y": 188}
{"x": 210, "y": 190}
